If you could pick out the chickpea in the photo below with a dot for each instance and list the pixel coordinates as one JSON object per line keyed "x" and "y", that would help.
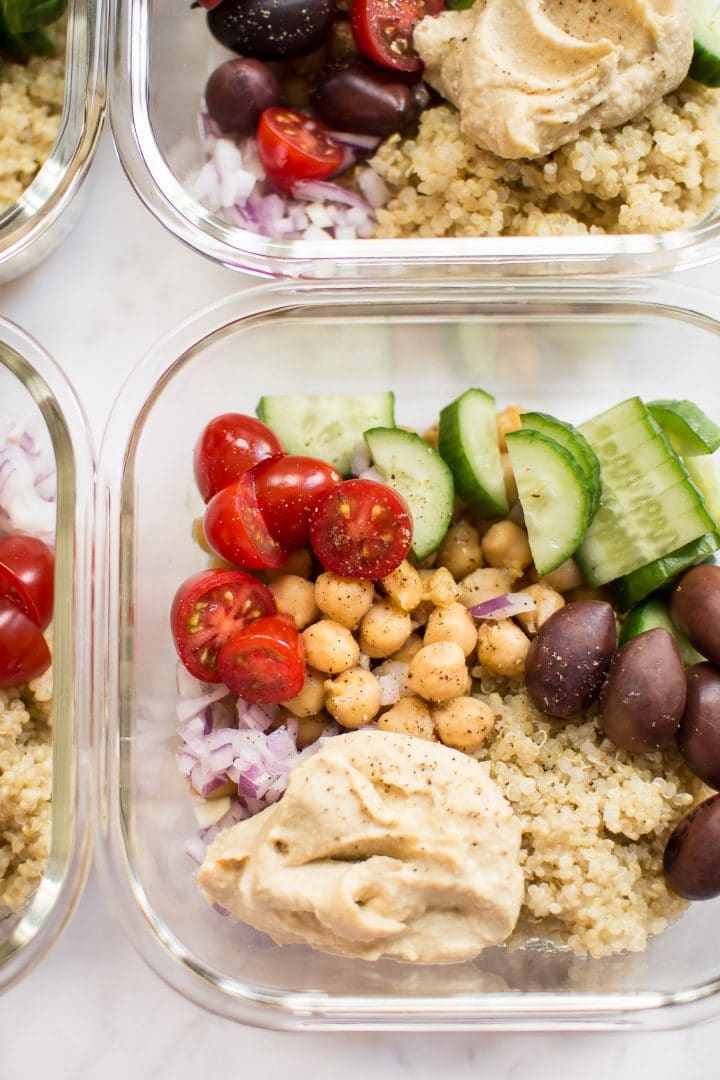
{"x": 502, "y": 648}
{"x": 295, "y": 596}
{"x": 384, "y": 629}
{"x": 438, "y": 672}
{"x": 310, "y": 728}
{"x": 330, "y": 647}
{"x": 452, "y": 623}
{"x": 410, "y": 716}
{"x": 464, "y": 723}
{"x": 511, "y": 491}
{"x": 298, "y": 562}
{"x": 406, "y": 652}
{"x": 505, "y": 545}
{"x": 508, "y": 420}
{"x": 439, "y": 586}
{"x": 353, "y": 699}
{"x": 567, "y": 576}
{"x": 343, "y": 599}
{"x": 311, "y": 698}
{"x": 484, "y": 584}
{"x": 460, "y": 551}
{"x": 547, "y": 602}
{"x": 404, "y": 586}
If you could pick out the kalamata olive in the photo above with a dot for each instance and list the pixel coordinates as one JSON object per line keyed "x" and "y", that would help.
{"x": 272, "y": 29}
{"x": 699, "y": 735}
{"x": 695, "y": 609}
{"x": 644, "y": 696}
{"x": 237, "y": 93}
{"x": 691, "y": 862}
{"x": 357, "y": 97}
{"x": 569, "y": 657}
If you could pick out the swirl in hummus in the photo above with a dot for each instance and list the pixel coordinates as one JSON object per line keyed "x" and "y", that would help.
{"x": 528, "y": 76}
{"x": 383, "y": 845}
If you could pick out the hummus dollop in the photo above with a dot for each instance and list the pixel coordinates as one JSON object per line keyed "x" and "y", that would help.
{"x": 528, "y": 76}
{"x": 383, "y": 845}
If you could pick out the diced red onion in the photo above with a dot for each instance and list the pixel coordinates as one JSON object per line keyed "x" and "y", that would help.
{"x": 221, "y": 758}
{"x": 357, "y": 141}
{"x": 322, "y": 190}
{"x": 360, "y": 458}
{"x": 373, "y": 187}
{"x": 195, "y": 848}
{"x": 371, "y": 474}
{"x": 503, "y": 607}
{"x": 27, "y": 484}
{"x": 220, "y": 909}
{"x": 212, "y": 811}
{"x": 186, "y": 761}
{"x": 191, "y": 707}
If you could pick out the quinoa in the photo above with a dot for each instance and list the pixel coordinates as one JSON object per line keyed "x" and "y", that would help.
{"x": 31, "y": 102}
{"x": 657, "y": 173}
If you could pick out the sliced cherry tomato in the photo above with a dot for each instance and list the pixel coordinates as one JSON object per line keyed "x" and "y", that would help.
{"x": 292, "y": 146}
{"x": 236, "y": 530}
{"x": 208, "y": 609}
{"x": 264, "y": 663}
{"x": 27, "y": 568}
{"x": 361, "y": 529}
{"x": 288, "y": 490}
{"x": 229, "y": 446}
{"x": 24, "y": 653}
{"x": 383, "y": 30}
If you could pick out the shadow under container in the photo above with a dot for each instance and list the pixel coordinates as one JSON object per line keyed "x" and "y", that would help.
{"x": 562, "y": 348}
{"x": 34, "y": 390}
{"x": 33, "y": 226}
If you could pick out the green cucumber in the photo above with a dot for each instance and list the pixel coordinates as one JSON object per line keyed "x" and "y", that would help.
{"x": 649, "y": 505}
{"x": 575, "y": 443}
{"x": 651, "y": 614}
{"x": 705, "y": 65}
{"x": 689, "y": 429}
{"x": 634, "y": 587}
{"x": 327, "y": 426}
{"x": 554, "y": 496}
{"x": 704, "y": 474}
{"x": 417, "y": 472}
{"x": 468, "y": 442}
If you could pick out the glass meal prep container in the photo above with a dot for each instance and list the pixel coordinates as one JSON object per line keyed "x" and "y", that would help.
{"x": 41, "y": 218}
{"x": 559, "y": 346}
{"x": 33, "y": 388}
{"x": 163, "y": 55}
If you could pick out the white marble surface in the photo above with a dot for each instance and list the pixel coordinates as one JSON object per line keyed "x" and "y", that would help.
{"x": 92, "y": 1008}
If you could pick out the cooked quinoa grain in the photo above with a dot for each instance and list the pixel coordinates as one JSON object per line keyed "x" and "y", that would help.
{"x": 660, "y": 172}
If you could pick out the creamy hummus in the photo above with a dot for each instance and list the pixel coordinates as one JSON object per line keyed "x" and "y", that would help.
{"x": 383, "y": 845}
{"x": 528, "y": 76}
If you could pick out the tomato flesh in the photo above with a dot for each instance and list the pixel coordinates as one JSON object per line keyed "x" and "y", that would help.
{"x": 292, "y": 147}
{"x": 361, "y": 529}
{"x": 264, "y": 663}
{"x": 27, "y": 569}
{"x": 383, "y": 30}
{"x": 288, "y": 491}
{"x": 208, "y": 609}
{"x": 230, "y": 445}
{"x": 236, "y": 530}
{"x": 24, "y": 653}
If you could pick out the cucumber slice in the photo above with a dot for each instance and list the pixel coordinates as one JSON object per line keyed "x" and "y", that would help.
{"x": 327, "y": 426}
{"x": 575, "y": 443}
{"x": 468, "y": 442}
{"x": 705, "y": 65}
{"x": 634, "y": 587}
{"x": 689, "y": 429}
{"x": 704, "y": 474}
{"x": 554, "y": 496}
{"x": 417, "y": 472}
{"x": 649, "y": 505}
{"x": 651, "y": 614}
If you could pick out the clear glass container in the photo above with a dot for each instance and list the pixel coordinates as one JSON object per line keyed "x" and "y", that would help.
{"x": 47, "y": 210}
{"x": 32, "y": 387}
{"x": 558, "y": 346}
{"x": 163, "y": 55}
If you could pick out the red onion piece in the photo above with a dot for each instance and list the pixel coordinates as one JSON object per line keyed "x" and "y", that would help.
{"x": 358, "y": 142}
{"x": 503, "y": 607}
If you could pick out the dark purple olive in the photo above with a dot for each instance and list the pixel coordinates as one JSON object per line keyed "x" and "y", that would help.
{"x": 359, "y": 98}
{"x": 699, "y": 736}
{"x": 695, "y": 609}
{"x": 569, "y": 657}
{"x": 691, "y": 862}
{"x": 272, "y": 29}
{"x": 237, "y": 93}
{"x": 644, "y": 696}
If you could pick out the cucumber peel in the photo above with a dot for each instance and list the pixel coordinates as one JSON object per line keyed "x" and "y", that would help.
{"x": 468, "y": 442}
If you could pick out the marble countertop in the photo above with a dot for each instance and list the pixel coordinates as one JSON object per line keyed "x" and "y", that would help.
{"x": 93, "y": 1008}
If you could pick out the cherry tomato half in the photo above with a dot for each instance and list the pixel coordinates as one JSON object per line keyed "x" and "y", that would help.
{"x": 24, "y": 653}
{"x": 383, "y": 30}
{"x": 236, "y": 530}
{"x": 229, "y": 446}
{"x": 27, "y": 567}
{"x": 361, "y": 529}
{"x": 264, "y": 663}
{"x": 288, "y": 490}
{"x": 208, "y": 609}
{"x": 292, "y": 146}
